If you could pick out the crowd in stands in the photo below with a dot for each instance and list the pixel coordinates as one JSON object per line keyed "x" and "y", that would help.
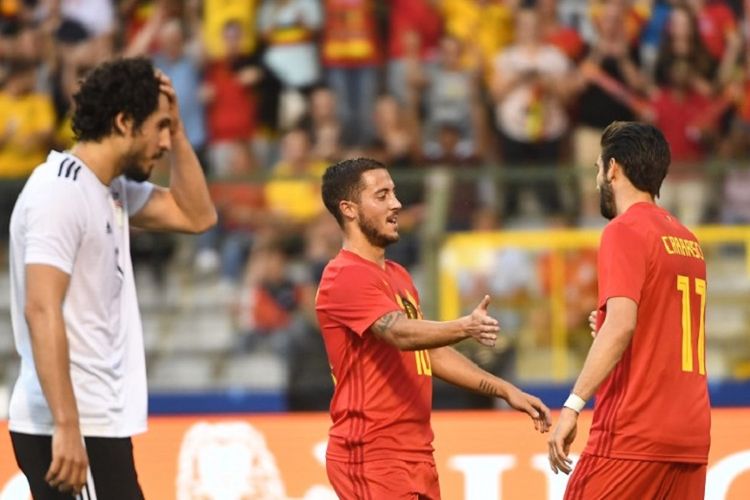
{"x": 273, "y": 91}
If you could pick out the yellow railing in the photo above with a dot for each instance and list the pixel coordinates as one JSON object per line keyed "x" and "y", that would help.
{"x": 472, "y": 251}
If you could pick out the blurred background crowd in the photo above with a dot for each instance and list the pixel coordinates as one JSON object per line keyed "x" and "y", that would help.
{"x": 507, "y": 98}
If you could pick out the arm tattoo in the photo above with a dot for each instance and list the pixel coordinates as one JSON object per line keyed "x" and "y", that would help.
{"x": 485, "y": 387}
{"x": 386, "y": 321}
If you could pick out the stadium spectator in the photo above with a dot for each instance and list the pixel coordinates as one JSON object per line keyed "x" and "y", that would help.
{"x": 485, "y": 27}
{"x": 414, "y": 33}
{"x": 653, "y": 33}
{"x": 292, "y": 193}
{"x": 26, "y": 124}
{"x": 231, "y": 99}
{"x": 634, "y": 14}
{"x": 321, "y": 121}
{"x": 217, "y": 14}
{"x": 289, "y": 29}
{"x": 395, "y": 139}
{"x": 242, "y": 215}
{"x": 27, "y": 119}
{"x": 682, "y": 41}
{"x": 689, "y": 121}
{"x": 529, "y": 95}
{"x": 554, "y": 32}
{"x": 352, "y": 56}
{"x": 610, "y": 88}
{"x": 271, "y": 302}
{"x": 717, "y": 25}
{"x": 452, "y": 103}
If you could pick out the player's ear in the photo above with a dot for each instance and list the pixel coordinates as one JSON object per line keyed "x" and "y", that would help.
{"x": 348, "y": 210}
{"x": 613, "y": 171}
{"x": 123, "y": 124}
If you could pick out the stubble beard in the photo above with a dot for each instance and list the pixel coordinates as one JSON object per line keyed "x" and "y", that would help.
{"x": 607, "y": 201}
{"x": 375, "y": 237}
{"x": 133, "y": 168}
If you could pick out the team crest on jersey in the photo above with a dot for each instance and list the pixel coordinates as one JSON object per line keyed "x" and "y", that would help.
{"x": 118, "y": 207}
{"x": 409, "y": 305}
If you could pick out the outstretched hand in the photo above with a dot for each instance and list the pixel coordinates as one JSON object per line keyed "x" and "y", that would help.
{"x": 481, "y": 326}
{"x": 532, "y": 406}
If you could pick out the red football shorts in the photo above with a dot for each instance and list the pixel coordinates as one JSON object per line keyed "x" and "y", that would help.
{"x": 597, "y": 478}
{"x": 384, "y": 480}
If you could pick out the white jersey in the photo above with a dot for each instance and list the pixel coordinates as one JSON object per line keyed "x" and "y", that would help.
{"x": 65, "y": 217}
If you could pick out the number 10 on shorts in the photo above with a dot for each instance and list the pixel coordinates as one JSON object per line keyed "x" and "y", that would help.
{"x": 683, "y": 285}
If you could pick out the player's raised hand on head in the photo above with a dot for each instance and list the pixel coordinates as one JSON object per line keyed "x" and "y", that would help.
{"x": 532, "y": 406}
{"x": 67, "y": 472}
{"x": 592, "y": 322}
{"x": 166, "y": 88}
{"x": 561, "y": 439}
{"x": 481, "y": 326}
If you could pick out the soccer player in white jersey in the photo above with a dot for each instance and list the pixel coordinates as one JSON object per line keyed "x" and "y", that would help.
{"x": 81, "y": 392}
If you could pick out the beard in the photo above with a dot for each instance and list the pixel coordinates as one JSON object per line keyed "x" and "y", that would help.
{"x": 607, "y": 201}
{"x": 134, "y": 169}
{"x": 375, "y": 237}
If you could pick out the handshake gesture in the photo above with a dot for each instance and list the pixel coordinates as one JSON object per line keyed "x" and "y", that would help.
{"x": 480, "y": 325}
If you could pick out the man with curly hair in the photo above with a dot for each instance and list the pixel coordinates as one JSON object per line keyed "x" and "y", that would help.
{"x": 81, "y": 392}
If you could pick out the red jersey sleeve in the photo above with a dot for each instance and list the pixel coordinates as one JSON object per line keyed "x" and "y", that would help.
{"x": 622, "y": 263}
{"x": 357, "y": 297}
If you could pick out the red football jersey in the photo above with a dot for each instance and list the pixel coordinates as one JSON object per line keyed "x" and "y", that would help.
{"x": 383, "y": 396}
{"x": 654, "y": 405}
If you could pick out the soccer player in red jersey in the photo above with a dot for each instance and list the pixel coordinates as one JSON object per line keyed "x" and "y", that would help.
{"x": 383, "y": 354}
{"x": 651, "y": 430}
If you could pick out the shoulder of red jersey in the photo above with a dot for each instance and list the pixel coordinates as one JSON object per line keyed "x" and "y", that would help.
{"x": 639, "y": 220}
{"x": 397, "y": 267}
{"x": 344, "y": 267}
{"x": 627, "y": 223}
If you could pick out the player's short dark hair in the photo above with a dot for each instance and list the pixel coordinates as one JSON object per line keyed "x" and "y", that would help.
{"x": 126, "y": 86}
{"x": 343, "y": 181}
{"x": 641, "y": 150}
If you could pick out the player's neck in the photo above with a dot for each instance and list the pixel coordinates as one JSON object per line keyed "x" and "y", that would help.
{"x": 629, "y": 198}
{"x": 366, "y": 250}
{"x": 100, "y": 158}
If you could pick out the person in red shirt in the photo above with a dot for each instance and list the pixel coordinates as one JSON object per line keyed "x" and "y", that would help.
{"x": 679, "y": 111}
{"x": 383, "y": 354}
{"x": 651, "y": 430}
{"x": 352, "y": 53}
{"x": 717, "y": 25}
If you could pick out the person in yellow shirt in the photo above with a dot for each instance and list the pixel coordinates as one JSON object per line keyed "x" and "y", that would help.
{"x": 293, "y": 191}
{"x": 216, "y": 13}
{"x": 483, "y": 26}
{"x": 26, "y": 122}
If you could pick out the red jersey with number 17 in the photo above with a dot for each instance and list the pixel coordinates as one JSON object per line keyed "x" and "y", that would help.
{"x": 654, "y": 405}
{"x": 383, "y": 396}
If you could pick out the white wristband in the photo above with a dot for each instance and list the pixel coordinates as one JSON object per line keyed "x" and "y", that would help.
{"x": 575, "y": 403}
